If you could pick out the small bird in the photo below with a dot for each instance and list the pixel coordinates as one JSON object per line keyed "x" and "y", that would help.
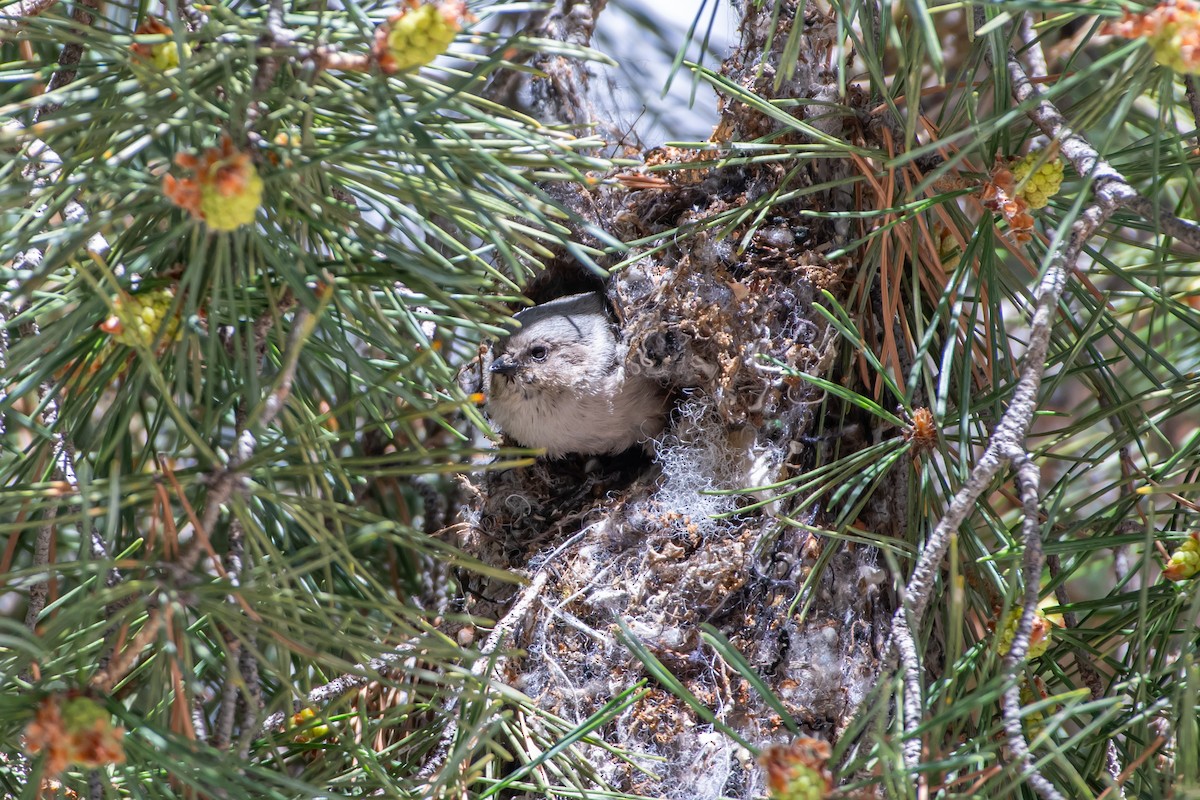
{"x": 559, "y": 382}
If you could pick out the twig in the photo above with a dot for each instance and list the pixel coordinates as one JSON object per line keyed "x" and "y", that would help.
{"x": 1009, "y": 435}
{"x": 222, "y": 486}
{"x": 20, "y": 11}
{"x": 248, "y": 666}
{"x": 1111, "y": 191}
{"x": 222, "y": 733}
{"x": 5, "y": 316}
{"x": 557, "y": 85}
{"x": 199, "y": 722}
{"x": 1087, "y": 668}
{"x": 71, "y": 54}
{"x": 63, "y": 470}
{"x": 301, "y": 327}
{"x": 1122, "y": 568}
{"x": 1032, "y": 46}
{"x": 1054, "y": 126}
{"x": 275, "y": 35}
{"x": 1028, "y": 486}
{"x": 262, "y": 325}
{"x": 95, "y": 785}
{"x": 511, "y": 620}
{"x": 39, "y": 591}
{"x": 913, "y": 710}
{"x": 225, "y": 480}
{"x": 267, "y": 67}
{"x": 1193, "y": 98}
{"x": 41, "y": 155}
{"x": 437, "y": 758}
{"x": 359, "y": 676}
{"x": 116, "y": 669}
{"x": 1137, "y": 762}
{"x": 223, "y": 730}
{"x": 27, "y": 8}
{"x": 1109, "y": 185}
{"x": 190, "y": 15}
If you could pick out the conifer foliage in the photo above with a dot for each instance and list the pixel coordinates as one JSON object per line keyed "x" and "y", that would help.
{"x": 923, "y": 522}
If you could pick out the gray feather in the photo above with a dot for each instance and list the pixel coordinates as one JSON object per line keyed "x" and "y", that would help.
{"x": 559, "y": 382}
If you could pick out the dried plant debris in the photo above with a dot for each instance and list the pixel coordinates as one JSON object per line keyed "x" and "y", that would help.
{"x": 715, "y": 316}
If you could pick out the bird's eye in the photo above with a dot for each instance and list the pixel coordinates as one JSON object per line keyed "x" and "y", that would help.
{"x": 538, "y": 353}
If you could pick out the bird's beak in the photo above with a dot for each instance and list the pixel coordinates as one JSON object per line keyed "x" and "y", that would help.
{"x": 504, "y": 365}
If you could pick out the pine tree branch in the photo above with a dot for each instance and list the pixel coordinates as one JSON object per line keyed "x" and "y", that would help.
{"x": 1028, "y": 487}
{"x": 40, "y": 155}
{"x": 558, "y": 86}
{"x": 223, "y": 729}
{"x": 63, "y": 471}
{"x": 359, "y": 676}
{"x": 39, "y": 591}
{"x": 1007, "y": 446}
{"x": 95, "y": 785}
{"x": 125, "y": 660}
{"x": 436, "y": 760}
{"x": 223, "y": 483}
{"x": 502, "y": 632}
{"x": 225, "y": 480}
{"x": 199, "y": 721}
{"x": 5, "y": 316}
{"x": 1008, "y": 437}
{"x": 1006, "y": 443}
{"x": 20, "y": 11}
{"x": 1087, "y": 667}
{"x": 1109, "y": 185}
{"x": 252, "y": 706}
{"x": 362, "y": 673}
{"x": 71, "y": 54}
{"x": 1193, "y": 98}
{"x": 27, "y": 8}
{"x": 914, "y": 696}
{"x": 302, "y": 327}
{"x": 1141, "y": 758}
{"x": 1054, "y": 125}
{"x": 1031, "y": 46}
{"x": 266, "y": 68}
{"x": 190, "y": 14}
{"x": 276, "y": 35}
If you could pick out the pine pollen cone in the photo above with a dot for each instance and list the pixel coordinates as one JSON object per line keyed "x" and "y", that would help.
{"x": 1173, "y": 30}
{"x": 164, "y": 55}
{"x": 418, "y": 33}
{"x": 225, "y": 190}
{"x": 151, "y": 27}
{"x": 922, "y": 432}
{"x": 999, "y": 194}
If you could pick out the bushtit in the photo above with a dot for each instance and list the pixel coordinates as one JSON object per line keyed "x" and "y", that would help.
{"x": 559, "y": 382}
